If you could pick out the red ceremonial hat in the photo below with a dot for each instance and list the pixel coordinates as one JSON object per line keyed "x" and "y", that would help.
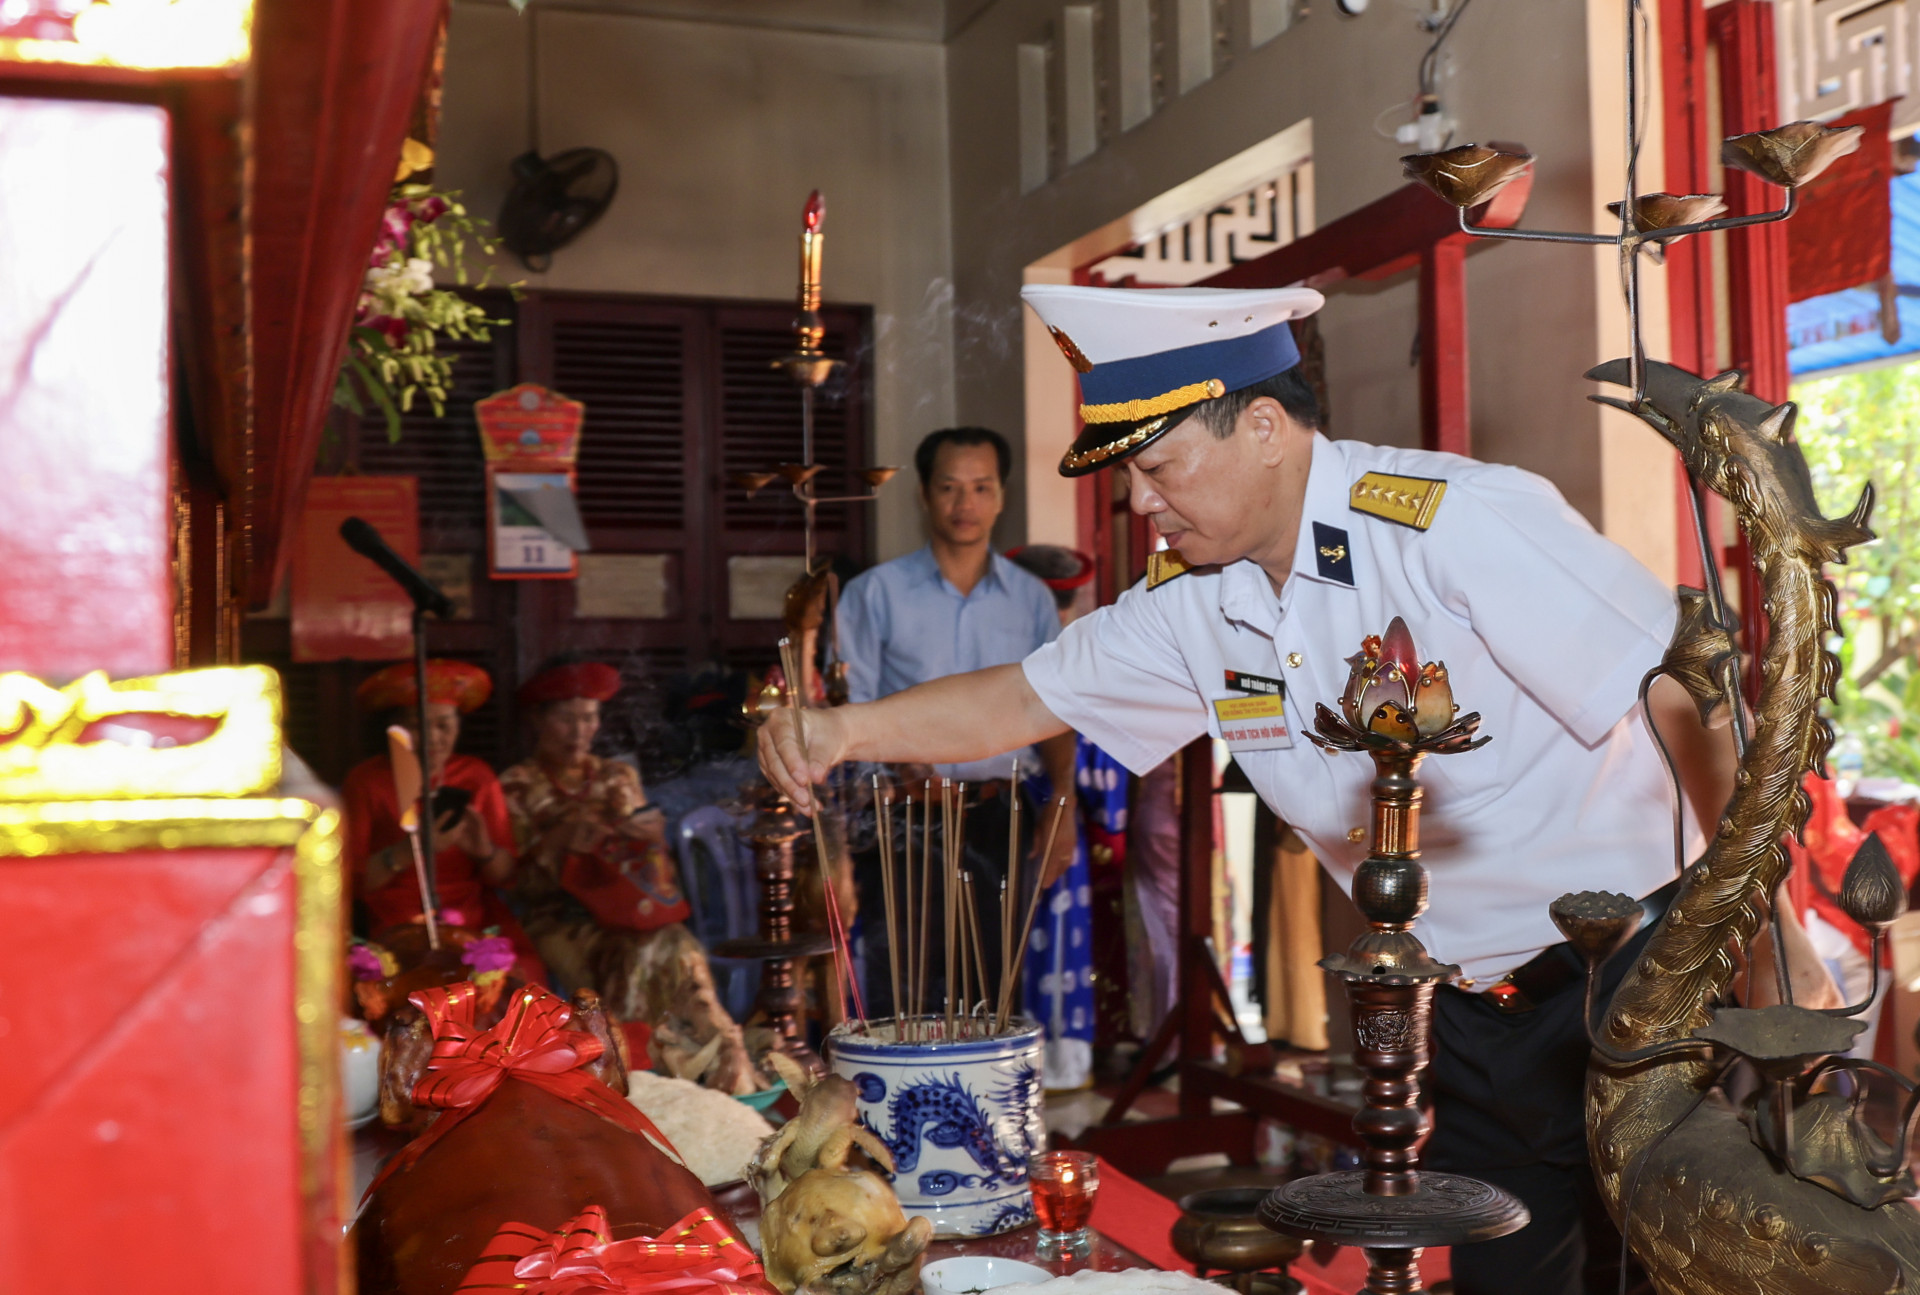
{"x": 1045, "y": 555}
{"x": 591, "y": 679}
{"x": 454, "y": 682}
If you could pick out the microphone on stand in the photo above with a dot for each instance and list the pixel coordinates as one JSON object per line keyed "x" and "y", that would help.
{"x": 363, "y": 539}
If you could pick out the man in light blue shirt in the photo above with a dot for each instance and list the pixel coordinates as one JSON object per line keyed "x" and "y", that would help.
{"x": 948, "y": 608}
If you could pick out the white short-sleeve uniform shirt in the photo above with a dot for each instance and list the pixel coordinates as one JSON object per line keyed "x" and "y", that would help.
{"x": 1546, "y": 629}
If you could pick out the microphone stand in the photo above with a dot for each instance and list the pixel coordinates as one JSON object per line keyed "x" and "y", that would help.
{"x": 428, "y": 777}
{"x": 363, "y": 539}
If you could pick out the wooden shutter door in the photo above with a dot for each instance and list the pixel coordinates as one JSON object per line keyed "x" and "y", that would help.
{"x": 762, "y": 538}
{"x": 640, "y": 603}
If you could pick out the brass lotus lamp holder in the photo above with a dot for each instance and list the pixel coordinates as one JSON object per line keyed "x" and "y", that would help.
{"x": 811, "y": 367}
{"x": 1399, "y": 712}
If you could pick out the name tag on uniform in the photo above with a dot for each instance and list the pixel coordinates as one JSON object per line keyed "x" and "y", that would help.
{"x": 1241, "y": 681}
{"x": 1253, "y": 723}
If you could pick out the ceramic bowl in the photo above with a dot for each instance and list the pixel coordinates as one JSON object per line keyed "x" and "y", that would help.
{"x": 971, "y": 1274}
{"x": 766, "y": 1097}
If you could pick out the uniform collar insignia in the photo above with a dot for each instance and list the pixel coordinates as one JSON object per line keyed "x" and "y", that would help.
{"x": 1326, "y": 553}
{"x": 1165, "y": 565}
{"x": 1332, "y": 556}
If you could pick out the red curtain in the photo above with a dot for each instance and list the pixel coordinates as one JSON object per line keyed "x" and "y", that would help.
{"x": 1842, "y": 236}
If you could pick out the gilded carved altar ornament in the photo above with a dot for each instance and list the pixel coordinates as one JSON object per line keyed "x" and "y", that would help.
{"x": 190, "y": 760}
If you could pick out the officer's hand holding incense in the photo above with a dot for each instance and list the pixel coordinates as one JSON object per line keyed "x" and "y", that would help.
{"x": 948, "y": 721}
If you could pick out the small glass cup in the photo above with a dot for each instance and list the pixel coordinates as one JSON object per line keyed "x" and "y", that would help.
{"x": 1064, "y": 1184}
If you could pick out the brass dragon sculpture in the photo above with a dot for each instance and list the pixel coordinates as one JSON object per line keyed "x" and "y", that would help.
{"x": 1706, "y": 1207}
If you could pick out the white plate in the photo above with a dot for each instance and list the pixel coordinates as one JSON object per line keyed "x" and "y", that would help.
{"x": 971, "y": 1274}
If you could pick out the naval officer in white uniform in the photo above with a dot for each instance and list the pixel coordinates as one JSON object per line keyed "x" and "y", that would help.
{"x": 1286, "y": 551}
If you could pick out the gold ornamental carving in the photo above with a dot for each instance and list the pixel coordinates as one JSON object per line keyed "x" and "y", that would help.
{"x": 92, "y": 739}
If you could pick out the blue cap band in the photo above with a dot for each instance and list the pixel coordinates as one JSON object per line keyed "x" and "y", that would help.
{"x": 1235, "y": 361}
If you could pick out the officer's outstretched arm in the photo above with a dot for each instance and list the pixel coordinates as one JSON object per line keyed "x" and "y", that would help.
{"x": 961, "y": 717}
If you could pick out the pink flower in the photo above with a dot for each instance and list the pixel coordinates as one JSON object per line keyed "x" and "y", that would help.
{"x": 365, "y": 963}
{"x": 493, "y": 953}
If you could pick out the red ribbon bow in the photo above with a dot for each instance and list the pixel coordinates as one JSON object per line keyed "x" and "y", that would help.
{"x": 530, "y": 1044}
{"x": 696, "y": 1256}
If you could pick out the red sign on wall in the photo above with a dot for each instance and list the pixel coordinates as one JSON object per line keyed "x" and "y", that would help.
{"x": 344, "y": 607}
{"x": 531, "y": 437}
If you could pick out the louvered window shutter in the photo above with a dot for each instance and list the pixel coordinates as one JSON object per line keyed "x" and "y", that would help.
{"x": 762, "y": 539}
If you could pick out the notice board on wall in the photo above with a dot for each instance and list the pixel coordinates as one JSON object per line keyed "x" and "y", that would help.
{"x": 344, "y": 607}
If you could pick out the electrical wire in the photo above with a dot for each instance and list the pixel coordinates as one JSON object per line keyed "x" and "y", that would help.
{"x": 1429, "y": 63}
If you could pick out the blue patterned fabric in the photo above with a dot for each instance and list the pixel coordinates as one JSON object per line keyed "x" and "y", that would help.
{"x": 1060, "y": 950}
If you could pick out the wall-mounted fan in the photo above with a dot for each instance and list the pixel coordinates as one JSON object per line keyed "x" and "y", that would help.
{"x": 553, "y": 199}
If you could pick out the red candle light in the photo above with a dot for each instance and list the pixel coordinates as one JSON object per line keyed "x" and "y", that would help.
{"x": 1064, "y": 1184}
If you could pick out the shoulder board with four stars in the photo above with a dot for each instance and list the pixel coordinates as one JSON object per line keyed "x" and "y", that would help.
{"x": 1407, "y": 501}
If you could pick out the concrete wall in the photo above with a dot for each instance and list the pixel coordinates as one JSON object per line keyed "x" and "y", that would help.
{"x": 721, "y": 129}
{"x": 1546, "y": 75}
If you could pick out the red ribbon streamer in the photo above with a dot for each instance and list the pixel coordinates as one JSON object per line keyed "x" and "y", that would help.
{"x": 695, "y": 1256}
{"x": 530, "y": 1044}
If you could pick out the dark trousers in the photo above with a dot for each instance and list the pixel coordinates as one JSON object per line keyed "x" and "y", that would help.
{"x": 984, "y": 855}
{"x": 1509, "y": 1107}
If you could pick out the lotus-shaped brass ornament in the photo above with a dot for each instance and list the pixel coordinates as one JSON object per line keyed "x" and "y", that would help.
{"x": 1871, "y": 892}
{"x": 751, "y": 482}
{"x": 1793, "y": 154}
{"x": 1390, "y": 694}
{"x": 799, "y": 473}
{"x": 1468, "y": 175}
{"x": 1653, "y": 212}
{"x": 875, "y": 477}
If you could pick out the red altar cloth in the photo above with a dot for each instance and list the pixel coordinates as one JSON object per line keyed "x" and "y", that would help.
{"x": 1142, "y": 1220}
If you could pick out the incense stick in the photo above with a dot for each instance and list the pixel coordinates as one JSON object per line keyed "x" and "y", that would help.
{"x": 1011, "y": 882}
{"x": 946, "y": 894}
{"x": 884, "y": 808}
{"x": 973, "y": 930}
{"x": 843, "y": 956}
{"x": 926, "y": 888}
{"x": 1026, "y": 927}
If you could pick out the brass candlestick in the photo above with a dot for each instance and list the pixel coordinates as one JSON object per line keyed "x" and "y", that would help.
{"x": 1399, "y": 712}
{"x": 775, "y": 834}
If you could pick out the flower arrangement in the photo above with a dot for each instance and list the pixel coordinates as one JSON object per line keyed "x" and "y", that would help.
{"x": 391, "y": 359}
{"x": 490, "y": 957}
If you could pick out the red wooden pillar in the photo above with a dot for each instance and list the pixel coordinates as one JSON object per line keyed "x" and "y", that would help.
{"x": 1445, "y": 409}
{"x": 1693, "y": 345}
{"x": 1756, "y": 256}
{"x": 1742, "y": 32}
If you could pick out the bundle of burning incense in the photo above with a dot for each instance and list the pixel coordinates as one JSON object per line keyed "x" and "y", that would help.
{"x": 980, "y": 996}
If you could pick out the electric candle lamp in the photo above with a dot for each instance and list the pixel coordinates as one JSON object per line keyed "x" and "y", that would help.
{"x": 813, "y": 241}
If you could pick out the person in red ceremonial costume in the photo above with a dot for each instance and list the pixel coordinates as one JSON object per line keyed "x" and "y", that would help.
{"x": 473, "y": 853}
{"x": 599, "y": 889}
